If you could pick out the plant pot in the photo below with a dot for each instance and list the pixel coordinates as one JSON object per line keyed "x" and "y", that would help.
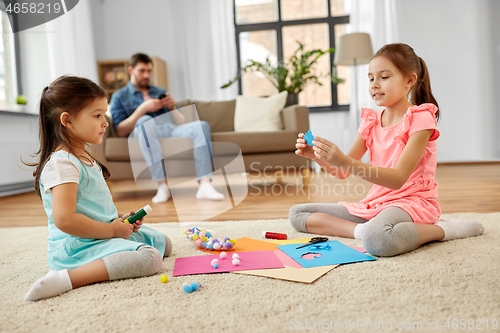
{"x": 292, "y": 99}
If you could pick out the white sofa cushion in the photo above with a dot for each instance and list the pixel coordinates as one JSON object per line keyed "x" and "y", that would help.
{"x": 259, "y": 114}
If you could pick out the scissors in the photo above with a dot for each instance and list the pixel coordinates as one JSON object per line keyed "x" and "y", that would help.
{"x": 314, "y": 240}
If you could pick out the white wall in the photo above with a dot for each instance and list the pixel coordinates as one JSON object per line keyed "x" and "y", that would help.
{"x": 18, "y": 139}
{"x": 124, "y": 27}
{"x": 459, "y": 48}
{"x": 495, "y": 29}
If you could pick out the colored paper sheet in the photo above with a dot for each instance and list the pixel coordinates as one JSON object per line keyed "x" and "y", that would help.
{"x": 305, "y": 240}
{"x": 357, "y": 248}
{"x": 323, "y": 254}
{"x": 289, "y": 241}
{"x": 304, "y": 275}
{"x": 247, "y": 245}
{"x": 286, "y": 260}
{"x": 248, "y": 260}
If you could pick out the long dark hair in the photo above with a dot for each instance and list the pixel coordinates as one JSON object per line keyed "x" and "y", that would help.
{"x": 69, "y": 94}
{"x": 407, "y": 62}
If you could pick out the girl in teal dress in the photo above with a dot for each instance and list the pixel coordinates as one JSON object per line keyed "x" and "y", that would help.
{"x": 88, "y": 241}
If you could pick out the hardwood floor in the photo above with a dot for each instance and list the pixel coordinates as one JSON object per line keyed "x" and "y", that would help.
{"x": 462, "y": 188}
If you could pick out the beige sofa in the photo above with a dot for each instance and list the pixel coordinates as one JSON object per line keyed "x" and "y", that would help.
{"x": 261, "y": 151}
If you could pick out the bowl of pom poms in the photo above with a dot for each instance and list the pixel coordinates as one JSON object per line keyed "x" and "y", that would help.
{"x": 205, "y": 239}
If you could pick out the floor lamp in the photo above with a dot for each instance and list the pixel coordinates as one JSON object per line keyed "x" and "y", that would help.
{"x": 353, "y": 50}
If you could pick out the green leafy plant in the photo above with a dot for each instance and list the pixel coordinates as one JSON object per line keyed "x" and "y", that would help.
{"x": 293, "y": 75}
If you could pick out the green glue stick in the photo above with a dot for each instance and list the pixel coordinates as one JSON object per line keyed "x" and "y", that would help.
{"x": 139, "y": 214}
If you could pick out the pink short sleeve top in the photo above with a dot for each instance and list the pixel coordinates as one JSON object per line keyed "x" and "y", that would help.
{"x": 385, "y": 144}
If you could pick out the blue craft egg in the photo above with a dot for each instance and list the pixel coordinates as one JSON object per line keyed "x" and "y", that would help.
{"x": 194, "y": 286}
{"x": 208, "y": 234}
{"x": 211, "y": 246}
{"x": 204, "y": 244}
{"x": 187, "y": 288}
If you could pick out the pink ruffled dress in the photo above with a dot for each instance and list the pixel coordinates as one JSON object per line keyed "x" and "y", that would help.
{"x": 385, "y": 144}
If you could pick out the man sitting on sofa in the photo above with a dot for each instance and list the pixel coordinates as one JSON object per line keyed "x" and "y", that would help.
{"x": 137, "y": 103}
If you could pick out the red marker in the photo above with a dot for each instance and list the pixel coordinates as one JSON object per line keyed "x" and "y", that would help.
{"x": 273, "y": 235}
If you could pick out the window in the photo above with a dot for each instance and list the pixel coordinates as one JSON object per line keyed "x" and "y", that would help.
{"x": 9, "y": 85}
{"x": 270, "y": 29}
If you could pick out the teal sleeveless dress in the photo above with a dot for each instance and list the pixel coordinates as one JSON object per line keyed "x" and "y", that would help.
{"x": 94, "y": 201}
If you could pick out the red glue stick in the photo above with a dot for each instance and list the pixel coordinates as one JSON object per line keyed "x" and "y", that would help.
{"x": 273, "y": 235}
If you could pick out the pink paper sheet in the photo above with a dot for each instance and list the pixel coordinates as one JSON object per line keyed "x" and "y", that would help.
{"x": 360, "y": 249}
{"x": 248, "y": 261}
{"x": 286, "y": 260}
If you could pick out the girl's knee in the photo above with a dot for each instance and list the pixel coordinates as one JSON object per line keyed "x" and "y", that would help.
{"x": 298, "y": 218}
{"x": 157, "y": 262}
{"x": 152, "y": 260}
{"x": 378, "y": 245}
{"x": 384, "y": 241}
{"x": 168, "y": 246}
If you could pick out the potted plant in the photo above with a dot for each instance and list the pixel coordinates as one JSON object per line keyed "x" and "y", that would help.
{"x": 291, "y": 76}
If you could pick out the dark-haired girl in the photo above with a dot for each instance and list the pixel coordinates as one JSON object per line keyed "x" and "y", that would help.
{"x": 88, "y": 241}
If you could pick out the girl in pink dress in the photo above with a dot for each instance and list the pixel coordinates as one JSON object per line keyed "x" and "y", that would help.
{"x": 400, "y": 213}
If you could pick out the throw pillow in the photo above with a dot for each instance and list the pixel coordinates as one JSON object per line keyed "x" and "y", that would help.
{"x": 259, "y": 114}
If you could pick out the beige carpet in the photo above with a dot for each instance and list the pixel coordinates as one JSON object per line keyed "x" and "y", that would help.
{"x": 440, "y": 281}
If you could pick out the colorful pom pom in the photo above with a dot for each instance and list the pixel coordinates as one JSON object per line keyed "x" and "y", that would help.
{"x": 205, "y": 239}
{"x": 189, "y": 288}
{"x": 164, "y": 278}
{"x": 236, "y": 262}
{"x": 235, "y": 256}
{"x": 223, "y": 255}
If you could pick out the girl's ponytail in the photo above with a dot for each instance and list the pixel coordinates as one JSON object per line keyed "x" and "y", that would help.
{"x": 45, "y": 132}
{"x": 421, "y": 92}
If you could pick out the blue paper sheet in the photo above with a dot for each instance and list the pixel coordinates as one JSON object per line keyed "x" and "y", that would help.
{"x": 309, "y": 138}
{"x": 332, "y": 253}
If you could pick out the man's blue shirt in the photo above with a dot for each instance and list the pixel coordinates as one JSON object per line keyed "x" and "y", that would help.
{"x": 126, "y": 100}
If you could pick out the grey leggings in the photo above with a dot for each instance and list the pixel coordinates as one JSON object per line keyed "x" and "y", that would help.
{"x": 145, "y": 261}
{"x": 389, "y": 233}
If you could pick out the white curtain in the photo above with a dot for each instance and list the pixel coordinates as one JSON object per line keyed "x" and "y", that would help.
{"x": 62, "y": 46}
{"x": 71, "y": 43}
{"x": 379, "y": 19}
{"x": 205, "y": 48}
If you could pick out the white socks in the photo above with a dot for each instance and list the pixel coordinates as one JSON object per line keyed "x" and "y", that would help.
{"x": 52, "y": 284}
{"x": 359, "y": 230}
{"x": 455, "y": 229}
{"x": 162, "y": 195}
{"x": 207, "y": 192}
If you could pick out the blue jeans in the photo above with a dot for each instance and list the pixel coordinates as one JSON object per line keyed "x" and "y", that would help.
{"x": 160, "y": 127}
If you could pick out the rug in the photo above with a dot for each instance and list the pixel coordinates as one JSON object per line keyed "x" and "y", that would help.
{"x": 440, "y": 285}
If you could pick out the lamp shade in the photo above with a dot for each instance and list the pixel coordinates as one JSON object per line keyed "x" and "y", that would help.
{"x": 353, "y": 49}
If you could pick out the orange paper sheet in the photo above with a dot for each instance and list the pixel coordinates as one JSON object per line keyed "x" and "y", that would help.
{"x": 247, "y": 245}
